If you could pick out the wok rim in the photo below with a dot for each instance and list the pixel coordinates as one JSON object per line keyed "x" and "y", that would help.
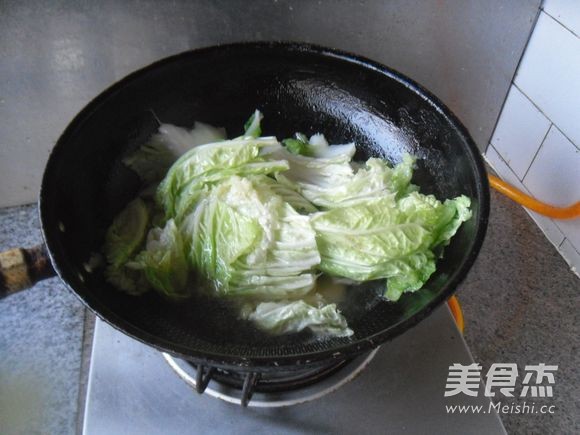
{"x": 270, "y": 362}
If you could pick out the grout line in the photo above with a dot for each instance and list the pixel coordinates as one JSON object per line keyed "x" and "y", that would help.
{"x": 556, "y": 222}
{"x": 500, "y": 156}
{"x": 500, "y": 113}
{"x": 561, "y": 23}
{"x": 536, "y": 153}
{"x": 511, "y": 170}
{"x": 528, "y": 211}
{"x": 564, "y": 134}
{"x": 546, "y": 116}
{"x": 560, "y": 245}
{"x": 536, "y": 18}
{"x": 535, "y": 21}
{"x": 572, "y": 266}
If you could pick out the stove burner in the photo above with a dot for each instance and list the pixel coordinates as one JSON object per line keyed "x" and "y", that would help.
{"x": 281, "y": 380}
{"x": 284, "y": 387}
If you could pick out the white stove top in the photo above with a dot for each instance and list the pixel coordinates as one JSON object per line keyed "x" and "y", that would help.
{"x": 132, "y": 390}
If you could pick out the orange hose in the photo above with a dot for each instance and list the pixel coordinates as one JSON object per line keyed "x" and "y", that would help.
{"x": 570, "y": 212}
{"x": 457, "y": 312}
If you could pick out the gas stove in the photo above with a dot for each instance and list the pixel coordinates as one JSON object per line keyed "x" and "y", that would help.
{"x": 398, "y": 388}
{"x": 273, "y": 390}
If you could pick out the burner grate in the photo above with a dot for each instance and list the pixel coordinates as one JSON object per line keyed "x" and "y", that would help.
{"x": 282, "y": 380}
{"x": 286, "y": 386}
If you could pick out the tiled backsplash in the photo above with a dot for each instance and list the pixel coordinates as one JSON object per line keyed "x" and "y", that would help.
{"x": 536, "y": 143}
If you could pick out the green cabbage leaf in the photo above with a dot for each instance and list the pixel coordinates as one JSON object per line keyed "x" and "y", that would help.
{"x": 286, "y": 317}
{"x": 260, "y": 221}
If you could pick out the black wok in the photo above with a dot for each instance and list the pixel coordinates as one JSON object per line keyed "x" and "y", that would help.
{"x": 298, "y": 87}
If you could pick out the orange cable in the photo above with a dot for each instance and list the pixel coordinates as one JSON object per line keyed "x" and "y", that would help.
{"x": 457, "y": 312}
{"x": 570, "y": 212}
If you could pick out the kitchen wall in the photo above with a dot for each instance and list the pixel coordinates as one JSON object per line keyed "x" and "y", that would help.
{"x": 55, "y": 56}
{"x": 536, "y": 143}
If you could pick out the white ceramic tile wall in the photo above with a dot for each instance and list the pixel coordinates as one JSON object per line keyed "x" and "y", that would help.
{"x": 566, "y": 12}
{"x": 555, "y": 172}
{"x": 519, "y": 132}
{"x": 549, "y": 74}
{"x": 554, "y": 176}
{"x": 547, "y": 225}
{"x": 536, "y": 143}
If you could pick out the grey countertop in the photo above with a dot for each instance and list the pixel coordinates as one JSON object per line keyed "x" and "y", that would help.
{"x": 41, "y": 335}
{"x": 520, "y": 303}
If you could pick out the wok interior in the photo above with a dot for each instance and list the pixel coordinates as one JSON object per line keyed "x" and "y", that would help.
{"x": 86, "y": 185}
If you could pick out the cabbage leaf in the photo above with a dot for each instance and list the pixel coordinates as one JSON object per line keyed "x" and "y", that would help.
{"x": 123, "y": 240}
{"x": 152, "y": 160}
{"x": 388, "y": 238}
{"x": 285, "y": 317}
{"x": 164, "y": 261}
{"x": 251, "y": 243}
{"x": 208, "y": 164}
{"x": 261, "y": 219}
